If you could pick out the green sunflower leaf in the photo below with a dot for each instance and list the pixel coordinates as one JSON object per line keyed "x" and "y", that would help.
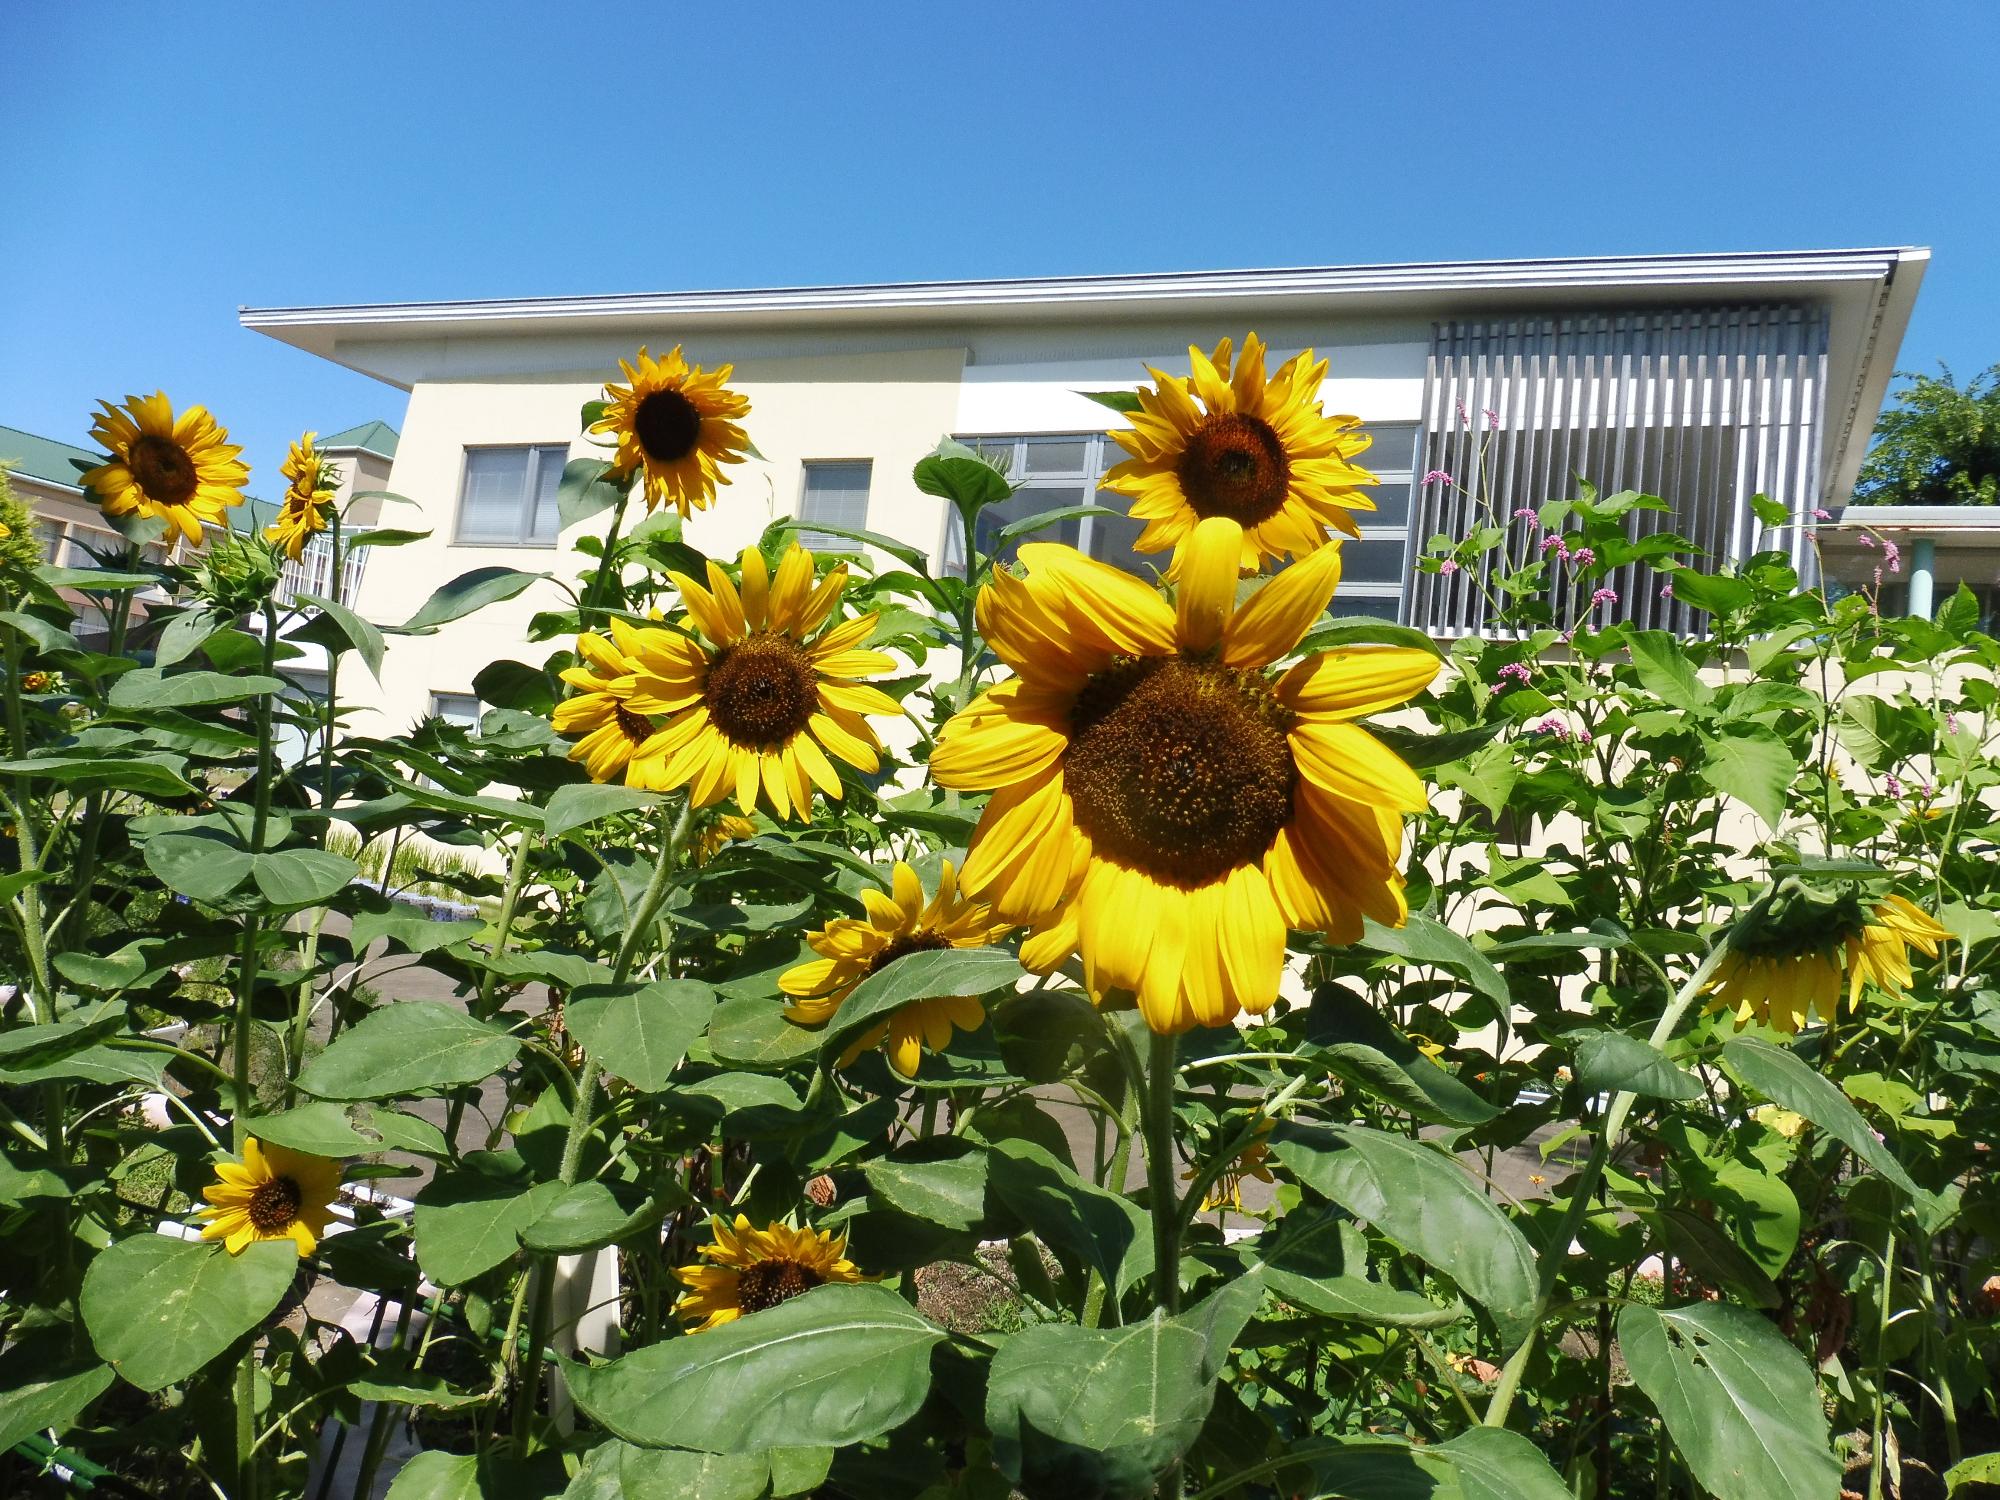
{"x": 159, "y": 1308}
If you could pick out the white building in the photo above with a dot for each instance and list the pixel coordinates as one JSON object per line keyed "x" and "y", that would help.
{"x": 1705, "y": 379}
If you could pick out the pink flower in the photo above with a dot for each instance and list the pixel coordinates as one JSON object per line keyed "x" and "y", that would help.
{"x": 1892, "y": 785}
{"x": 1492, "y": 419}
{"x": 1514, "y": 671}
{"x": 1447, "y": 566}
{"x": 1553, "y": 725}
{"x": 1583, "y": 736}
{"x": 1552, "y": 540}
{"x": 1821, "y": 513}
{"x": 1893, "y": 554}
{"x": 1462, "y": 417}
{"x": 1878, "y": 578}
{"x": 1667, "y": 589}
{"x": 1867, "y": 540}
{"x": 1603, "y": 596}
{"x": 1525, "y": 514}
{"x": 1438, "y": 476}
{"x": 1950, "y": 722}
{"x": 1583, "y": 557}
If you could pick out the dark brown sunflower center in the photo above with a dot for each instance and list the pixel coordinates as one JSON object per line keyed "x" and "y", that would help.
{"x": 914, "y": 942}
{"x": 1180, "y": 768}
{"x": 770, "y": 1282}
{"x": 274, "y": 1205}
{"x": 761, "y": 691}
{"x": 667, "y": 425}
{"x": 163, "y": 469}
{"x": 635, "y": 727}
{"x": 1235, "y": 465}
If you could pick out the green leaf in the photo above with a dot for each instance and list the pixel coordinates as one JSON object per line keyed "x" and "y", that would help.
{"x": 408, "y": 926}
{"x": 1319, "y": 1262}
{"x": 910, "y": 557}
{"x": 956, "y": 473}
{"x": 324, "y": 1128}
{"x": 183, "y": 636}
{"x": 588, "y": 1216}
{"x": 950, "y": 1193}
{"x": 1661, "y": 662}
{"x": 1981, "y": 1468}
{"x": 153, "y": 776}
{"x": 93, "y": 580}
{"x": 469, "y": 592}
{"x": 467, "y": 1223}
{"x": 416, "y": 1389}
{"x": 1101, "y": 1411}
{"x": 300, "y": 877}
{"x": 42, "y": 1385}
{"x": 677, "y": 1474}
{"x": 1753, "y": 766}
{"x": 1420, "y": 940}
{"x": 838, "y": 1365}
{"x": 925, "y": 975}
{"x": 432, "y": 1475}
{"x": 159, "y": 1308}
{"x": 1356, "y": 1042}
{"x": 148, "y": 687}
{"x": 584, "y": 491}
{"x": 204, "y": 866}
{"x": 408, "y": 1047}
{"x": 1483, "y": 1463}
{"x": 1082, "y": 1223}
{"x": 350, "y": 628}
{"x": 640, "y": 1033}
{"x": 1029, "y": 525}
{"x": 1610, "y": 1061}
{"x": 1365, "y": 630}
{"x": 1786, "y": 1079}
{"x": 1125, "y": 401}
{"x": 1717, "y": 593}
{"x": 751, "y": 1031}
{"x": 385, "y": 537}
{"x": 1740, "y": 1402}
{"x": 1425, "y": 1202}
{"x": 579, "y": 805}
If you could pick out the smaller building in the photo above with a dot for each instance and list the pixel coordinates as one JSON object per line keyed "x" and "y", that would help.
{"x": 1911, "y": 558}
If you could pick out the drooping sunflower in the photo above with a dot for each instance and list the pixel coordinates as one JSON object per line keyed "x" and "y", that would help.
{"x": 750, "y": 1269}
{"x": 720, "y": 834}
{"x": 1160, "y": 804}
{"x": 308, "y": 497}
{"x": 771, "y": 694}
{"x": 1229, "y": 442}
{"x": 1252, "y": 1163}
{"x": 183, "y": 470}
{"x": 675, "y": 423}
{"x": 1783, "y": 971}
{"x": 617, "y": 741}
{"x": 852, "y": 948}
{"x": 272, "y": 1194}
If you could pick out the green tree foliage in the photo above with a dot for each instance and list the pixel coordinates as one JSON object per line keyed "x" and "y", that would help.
{"x": 1937, "y": 444}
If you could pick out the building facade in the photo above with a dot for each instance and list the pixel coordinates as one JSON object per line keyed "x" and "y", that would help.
{"x": 1705, "y": 379}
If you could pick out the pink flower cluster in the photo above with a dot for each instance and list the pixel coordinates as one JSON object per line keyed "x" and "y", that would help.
{"x": 1603, "y": 596}
{"x": 1555, "y": 726}
{"x": 1821, "y": 513}
{"x": 1447, "y": 567}
{"x": 1552, "y": 540}
{"x": 1525, "y": 514}
{"x": 1438, "y": 476}
{"x": 1950, "y": 722}
{"x": 1893, "y": 555}
{"x": 1892, "y": 785}
{"x": 1583, "y": 557}
{"x": 1667, "y": 589}
{"x": 1517, "y": 671}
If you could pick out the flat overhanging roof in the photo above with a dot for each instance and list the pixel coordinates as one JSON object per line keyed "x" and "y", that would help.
{"x": 1972, "y": 522}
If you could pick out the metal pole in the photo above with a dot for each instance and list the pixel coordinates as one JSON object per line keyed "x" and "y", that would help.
{"x": 1923, "y": 563}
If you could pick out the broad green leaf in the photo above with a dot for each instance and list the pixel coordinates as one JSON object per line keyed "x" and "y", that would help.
{"x": 202, "y": 865}
{"x": 1663, "y": 668}
{"x": 415, "y": 1389}
{"x": 467, "y": 1222}
{"x": 93, "y": 580}
{"x": 1610, "y": 1061}
{"x": 153, "y": 776}
{"x": 148, "y": 687}
{"x": 578, "y": 806}
{"x": 677, "y": 1474}
{"x": 1102, "y": 1411}
{"x": 903, "y": 552}
{"x": 469, "y": 592}
{"x": 1483, "y": 1463}
{"x": 385, "y": 537}
{"x": 838, "y": 1365}
{"x": 1082, "y": 1223}
{"x": 956, "y": 473}
{"x": 1355, "y": 1041}
{"x": 1751, "y": 765}
{"x": 1125, "y": 401}
{"x": 1042, "y": 520}
{"x": 159, "y": 1308}
{"x": 1319, "y": 1262}
{"x": 588, "y": 1216}
{"x": 1717, "y": 593}
{"x": 950, "y": 1192}
{"x": 1741, "y": 1403}
{"x": 301, "y": 877}
{"x": 70, "y": 1050}
{"x": 751, "y": 1031}
{"x": 1425, "y": 1202}
{"x": 408, "y": 1047}
{"x": 183, "y": 636}
{"x": 324, "y": 1128}
{"x": 409, "y": 927}
{"x": 42, "y": 1385}
{"x": 351, "y": 630}
{"x": 584, "y": 491}
{"x": 923, "y": 975}
{"x": 432, "y": 1475}
{"x": 1787, "y": 1079}
{"x": 640, "y": 1033}
{"x": 1982, "y": 1468}
{"x": 1365, "y": 630}
{"x": 1421, "y": 940}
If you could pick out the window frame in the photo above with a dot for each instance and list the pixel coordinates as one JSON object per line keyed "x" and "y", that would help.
{"x": 804, "y": 529}
{"x": 527, "y": 515}
{"x": 1100, "y": 450}
{"x": 1390, "y": 479}
{"x": 478, "y": 707}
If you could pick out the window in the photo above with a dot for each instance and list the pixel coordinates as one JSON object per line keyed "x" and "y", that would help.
{"x": 1375, "y": 565}
{"x": 509, "y": 496}
{"x": 1055, "y": 472}
{"x": 458, "y": 709}
{"x": 837, "y": 495}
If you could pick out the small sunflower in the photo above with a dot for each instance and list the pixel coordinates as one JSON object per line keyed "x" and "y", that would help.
{"x": 308, "y": 498}
{"x": 852, "y": 948}
{"x": 762, "y": 704}
{"x": 1252, "y": 1163}
{"x": 675, "y": 423}
{"x": 1231, "y": 443}
{"x": 183, "y": 470}
{"x": 750, "y": 1269}
{"x": 617, "y": 742}
{"x": 272, "y": 1194}
{"x": 1160, "y": 804}
{"x": 1783, "y": 972}
{"x": 720, "y": 834}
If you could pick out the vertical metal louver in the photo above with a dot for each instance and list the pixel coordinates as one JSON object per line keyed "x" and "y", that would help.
{"x": 1703, "y": 407}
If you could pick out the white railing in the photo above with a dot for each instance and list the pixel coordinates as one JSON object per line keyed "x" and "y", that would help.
{"x": 312, "y": 573}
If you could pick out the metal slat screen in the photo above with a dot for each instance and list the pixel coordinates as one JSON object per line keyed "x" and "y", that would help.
{"x": 1704, "y": 407}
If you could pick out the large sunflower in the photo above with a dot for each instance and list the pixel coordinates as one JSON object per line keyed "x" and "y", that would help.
{"x": 852, "y": 948}
{"x": 183, "y": 470}
{"x": 308, "y": 497}
{"x": 273, "y": 1194}
{"x": 617, "y": 742}
{"x": 1782, "y": 974}
{"x": 768, "y": 697}
{"x": 674, "y": 422}
{"x": 750, "y": 1269}
{"x": 1160, "y": 804}
{"x": 1231, "y": 443}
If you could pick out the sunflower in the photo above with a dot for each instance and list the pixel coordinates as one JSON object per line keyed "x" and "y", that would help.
{"x": 273, "y": 1194}
{"x": 762, "y": 704}
{"x": 184, "y": 471}
{"x": 1160, "y": 804}
{"x": 674, "y": 422}
{"x": 1252, "y": 1162}
{"x": 1782, "y": 973}
{"x": 1259, "y": 452}
{"x": 720, "y": 834}
{"x": 308, "y": 498}
{"x": 752, "y": 1269}
{"x": 852, "y": 948}
{"x": 617, "y": 742}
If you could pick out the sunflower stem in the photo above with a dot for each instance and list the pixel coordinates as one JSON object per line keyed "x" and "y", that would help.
{"x": 592, "y": 595}
{"x": 246, "y": 968}
{"x": 246, "y": 1426}
{"x": 1585, "y": 1185}
{"x": 1160, "y": 1172}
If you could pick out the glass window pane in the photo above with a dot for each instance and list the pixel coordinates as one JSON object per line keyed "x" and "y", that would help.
{"x": 548, "y": 477}
{"x": 1392, "y": 504}
{"x": 1394, "y": 449}
{"x": 1112, "y": 537}
{"x": 997, "y": 450}
{"x": 1377, "y": 606}
{"x": 1372, "y": 560}
{"x": 496, "y": 481}
{"x": 1057, "y": 455}
{"x": 460, "y": 709}
{"x": 1029, "y": 501}
{"x": 836, "y": 493}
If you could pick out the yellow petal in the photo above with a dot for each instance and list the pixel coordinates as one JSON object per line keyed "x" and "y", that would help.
{"x": 1207, "y": 583}
{"x": 1276, "y": 618}
{"x": 1354, "y": 683}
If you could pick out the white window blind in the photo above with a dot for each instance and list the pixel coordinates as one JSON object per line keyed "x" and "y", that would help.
{"x": 509, "y": 495}
{"x": 836, "y": 494}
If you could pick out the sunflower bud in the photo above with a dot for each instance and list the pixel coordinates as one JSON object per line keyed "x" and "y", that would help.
{"x": 1797, "y": 919}
{"x": 237, "y": 574}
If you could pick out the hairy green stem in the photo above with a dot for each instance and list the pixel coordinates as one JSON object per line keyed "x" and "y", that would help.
{"x": 247, "y": 965}
{"x": 1878, "y": 1459}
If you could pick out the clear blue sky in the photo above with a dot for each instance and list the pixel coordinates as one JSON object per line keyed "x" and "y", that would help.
{"x": 162, "y": 164}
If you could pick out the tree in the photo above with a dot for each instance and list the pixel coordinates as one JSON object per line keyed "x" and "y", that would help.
{"x": 1937, "y": 444}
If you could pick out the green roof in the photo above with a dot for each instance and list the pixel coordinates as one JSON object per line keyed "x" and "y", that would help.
{"x": 44, "y": 458}
{"x": 370, "y": 437}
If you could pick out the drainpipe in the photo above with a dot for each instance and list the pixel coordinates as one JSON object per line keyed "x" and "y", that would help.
{"x": 1923, "y": 562}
